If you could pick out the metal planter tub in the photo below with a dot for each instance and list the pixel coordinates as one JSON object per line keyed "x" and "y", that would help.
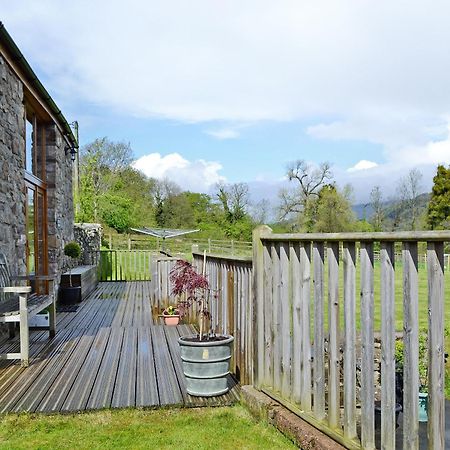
{"x": 206, "y": 365}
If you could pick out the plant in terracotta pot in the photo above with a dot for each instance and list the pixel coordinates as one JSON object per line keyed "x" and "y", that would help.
{"x": 71, "y": 294}
{"x": 171, "y": 315}
{"x": 206, "y": 356}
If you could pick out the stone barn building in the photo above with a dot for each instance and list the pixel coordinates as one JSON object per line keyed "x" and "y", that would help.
{"x": 37, "y": 149}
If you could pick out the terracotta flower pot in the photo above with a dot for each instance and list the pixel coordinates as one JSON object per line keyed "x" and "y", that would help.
{"x": 171, "y": 320}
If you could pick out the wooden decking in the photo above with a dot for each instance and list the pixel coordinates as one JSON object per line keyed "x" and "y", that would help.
{"x": 107, "y": 354}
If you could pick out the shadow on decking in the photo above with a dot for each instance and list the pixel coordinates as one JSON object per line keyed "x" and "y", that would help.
{"x": 107, "y": 354}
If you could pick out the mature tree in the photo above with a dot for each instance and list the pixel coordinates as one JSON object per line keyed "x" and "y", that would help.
{"x": 333, "y": 210}
{"x": 309, "y": 180}
{"x": 260, "y": 211}
{"x": 376, "y": 202}
{"x": 234, "y": 200}
{"x": 163, "y": 191}
{"x": 100, "y": 162}
{"x": 134, "y": 185}
{"x": 438, "y": 214}
{"x": 409, "y": 189}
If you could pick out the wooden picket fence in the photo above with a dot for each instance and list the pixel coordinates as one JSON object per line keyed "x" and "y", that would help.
{"x": 298, "y": 358}
{"x": 231, "y": 305}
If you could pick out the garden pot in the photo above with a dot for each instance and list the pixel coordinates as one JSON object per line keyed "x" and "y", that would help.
{"x": 206, "y": 364}
{"x": 423, "y": 406}
{"x": 171, "y": 320}
{"x": 70, "y": 295}
{"x": 398, "y": 409}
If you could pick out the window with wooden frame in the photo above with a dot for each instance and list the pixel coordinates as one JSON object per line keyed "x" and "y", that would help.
{"x": 35, "y": 146}
{"x": 36, "y": 195}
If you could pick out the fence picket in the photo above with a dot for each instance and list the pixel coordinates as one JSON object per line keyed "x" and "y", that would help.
{"x": 387, "y": 346}
{"x": 305, "y": 277}
{"x": 319, "y": 351}
{"x": 285, "y": 321}
{"x": 411, "y": 346}
{"x": 436, "y": 398}
{"x": 367, "y": 352}
{"x": 333, "y": 345}
{"x": 350, "y": 340}
{"x": 294, "y": 257}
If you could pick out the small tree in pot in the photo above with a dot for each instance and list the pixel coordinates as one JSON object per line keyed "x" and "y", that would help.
{"x": 71, "y": 294}
{"x": 206, "y": 356}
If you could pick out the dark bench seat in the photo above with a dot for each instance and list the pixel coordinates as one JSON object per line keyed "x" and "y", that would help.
{"x": 84, "y": 276}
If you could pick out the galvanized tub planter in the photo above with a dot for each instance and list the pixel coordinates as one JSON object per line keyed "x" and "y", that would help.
{"x": 206, "y": 364}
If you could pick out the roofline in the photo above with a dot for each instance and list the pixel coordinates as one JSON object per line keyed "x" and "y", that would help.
{"x": 20, "y": 60}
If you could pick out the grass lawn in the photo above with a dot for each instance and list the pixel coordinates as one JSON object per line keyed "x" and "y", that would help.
{"x": 202, "y": 428}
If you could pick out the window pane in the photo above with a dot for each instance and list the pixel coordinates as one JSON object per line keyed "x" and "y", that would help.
{"x": 28, "y": 147}
{"x": 30, "y": 231}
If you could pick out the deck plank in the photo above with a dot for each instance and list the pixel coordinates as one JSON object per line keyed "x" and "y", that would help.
{"x": 125, "y": 388}
{"x": 168, "y": 388}
{"x": 102, "y": 391}
{"x": 78, "y": 396}
{"x": 146, "y": 384}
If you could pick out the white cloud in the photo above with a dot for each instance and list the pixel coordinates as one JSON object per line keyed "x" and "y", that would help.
{"x": 368, "y": 71}
{"x": 197, "y": 176}
{"x": 224, "y": 133}
{"x": 362, "y": 165}
{"x": 243, "y": 61}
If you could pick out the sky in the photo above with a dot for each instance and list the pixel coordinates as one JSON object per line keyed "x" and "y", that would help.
{"x": 210, "y": 91}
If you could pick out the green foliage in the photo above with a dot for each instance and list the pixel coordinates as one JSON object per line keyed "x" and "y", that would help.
{"x": 330, "y": 212}
{"x": 116, "y": 211}
{"x": 72, "y": 250}
{"x": 438, "y": 214}
{"x": 363, "y": 226}
{"x": 115, "y": 194}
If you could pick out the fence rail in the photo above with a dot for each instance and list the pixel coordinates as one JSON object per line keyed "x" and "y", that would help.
{"x": 291, "y": 273}
{"x": 180, "y": 245}
{"x": 123, "y": 265}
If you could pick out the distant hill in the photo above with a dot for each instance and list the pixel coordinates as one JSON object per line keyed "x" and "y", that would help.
{"x": 365, "y": 210}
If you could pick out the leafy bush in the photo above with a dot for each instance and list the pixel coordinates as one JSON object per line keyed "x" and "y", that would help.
{"x": 72, "y": 250}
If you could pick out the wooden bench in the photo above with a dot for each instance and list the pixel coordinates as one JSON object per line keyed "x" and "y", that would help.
{"x": 18, "y": 304}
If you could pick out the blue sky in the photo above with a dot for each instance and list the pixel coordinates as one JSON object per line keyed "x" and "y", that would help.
{"x": 209, "y": 91}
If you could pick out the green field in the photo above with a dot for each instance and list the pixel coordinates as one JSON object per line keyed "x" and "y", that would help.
{"x": 199, "y": 428}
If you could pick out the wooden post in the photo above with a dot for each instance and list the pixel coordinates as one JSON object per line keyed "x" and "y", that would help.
{"x": 436, "y": 399}
{"x": 258, "y": 303}
{"x": 410, "y": 347}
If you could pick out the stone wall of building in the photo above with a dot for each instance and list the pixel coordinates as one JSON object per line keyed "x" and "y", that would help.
{"x": 58, "y": 170}
{"x": 12, "y": 162}
{"x": 89, "y": 236}
{"x": 59, "y": 199}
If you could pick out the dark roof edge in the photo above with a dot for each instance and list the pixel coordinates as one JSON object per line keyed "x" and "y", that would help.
{"x": 34, "y": 81}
